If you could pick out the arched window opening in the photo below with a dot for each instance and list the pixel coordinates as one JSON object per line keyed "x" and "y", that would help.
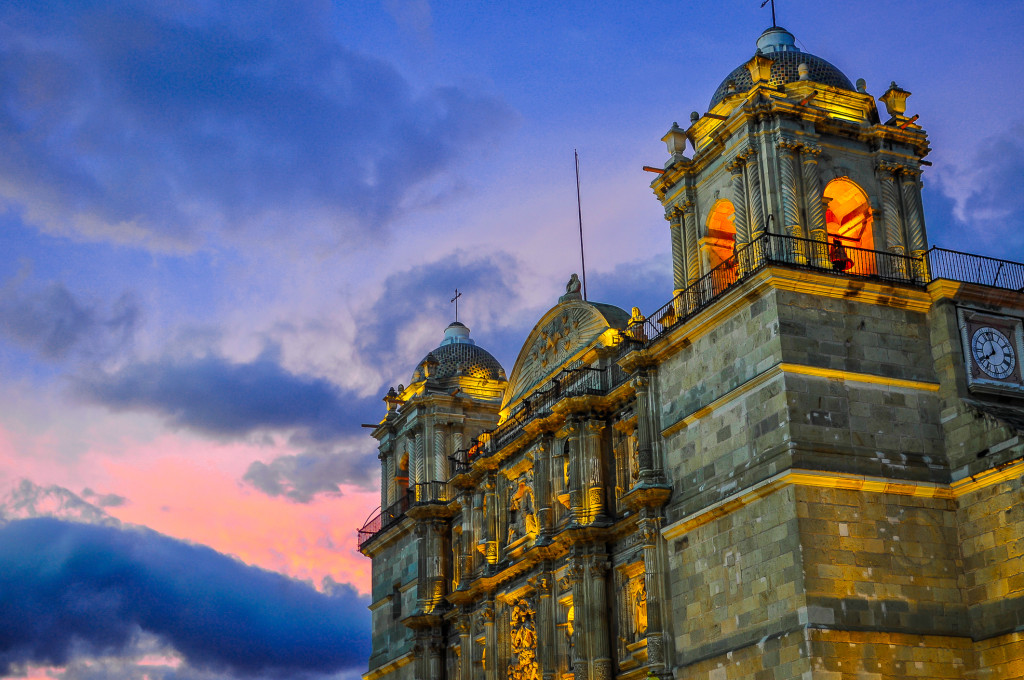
{"x": 848, "y": 219}
{"x": 720, "y": 244}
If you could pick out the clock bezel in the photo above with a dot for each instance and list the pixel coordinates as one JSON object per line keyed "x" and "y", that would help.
{"x": 969, "y": 321}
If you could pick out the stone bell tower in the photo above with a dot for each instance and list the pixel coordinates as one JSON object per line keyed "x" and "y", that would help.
{"x": 453, "y": 396}
{"x": 789, "y": 145}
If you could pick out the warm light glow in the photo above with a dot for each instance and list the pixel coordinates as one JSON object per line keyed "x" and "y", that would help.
{"x": 848, "y": 218}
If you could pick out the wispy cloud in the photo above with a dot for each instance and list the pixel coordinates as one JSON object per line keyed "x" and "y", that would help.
{"x": 74, "y": 590}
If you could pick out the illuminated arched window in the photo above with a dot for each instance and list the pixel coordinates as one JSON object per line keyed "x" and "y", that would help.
{"x": 848, "y": 218}
{"x": 721, "y": 238}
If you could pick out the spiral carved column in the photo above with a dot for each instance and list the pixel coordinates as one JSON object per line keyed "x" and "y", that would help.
{"x": 790, "y": 198}
{"x": 754, "y": 192}
{"x": 739, "y": 203}
{"x": 915, "y": 222}
{"x": 814, "y": 206}
{"x": 675, "y": 218}
{"x": 894, "y": 239}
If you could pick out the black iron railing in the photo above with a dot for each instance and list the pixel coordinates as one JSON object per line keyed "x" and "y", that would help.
{"x": 770, "y": 249}
{"x": 417, "y": 494}
{"x": 985, "y": 271}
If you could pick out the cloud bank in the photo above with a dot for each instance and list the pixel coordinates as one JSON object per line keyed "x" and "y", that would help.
{"x": 159, "y": 124}
{"x": 74, "y": 590}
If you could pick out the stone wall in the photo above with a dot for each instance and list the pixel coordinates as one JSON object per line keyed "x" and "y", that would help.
{"x": 737, "y": 580}
{"x": 395, "y": 564}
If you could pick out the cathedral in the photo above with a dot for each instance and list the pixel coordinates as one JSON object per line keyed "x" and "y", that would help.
{"x": 806, "y": 464}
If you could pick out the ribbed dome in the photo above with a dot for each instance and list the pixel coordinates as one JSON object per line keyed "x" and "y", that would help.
{"x": 778, "y": 45}
{"x": 459, "y": 355}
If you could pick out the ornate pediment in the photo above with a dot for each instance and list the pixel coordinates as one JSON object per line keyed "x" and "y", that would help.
{"x": 566, "y": 330}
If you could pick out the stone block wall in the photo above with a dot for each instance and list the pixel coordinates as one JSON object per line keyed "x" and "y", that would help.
{"x": 736, "y": 581}
{"x": 395, "y": 564}
{"x": 881, "y": 562}
{"x": 991, "y": 526}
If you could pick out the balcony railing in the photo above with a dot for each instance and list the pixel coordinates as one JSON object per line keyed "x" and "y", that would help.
{"x": 978, "y": 269}
{"x": 417, "y": 494}
{"x": 769, "y": 249}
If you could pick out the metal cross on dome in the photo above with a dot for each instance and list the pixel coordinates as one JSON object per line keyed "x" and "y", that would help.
{"x": 456, "y": 301}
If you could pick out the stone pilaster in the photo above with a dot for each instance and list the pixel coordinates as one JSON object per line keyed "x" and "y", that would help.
{"x": 650, "y": 472}
{"x": 577, "y": 500}
{"x": 675, "y": 218}
{"x": 581, "y": 627}
{"x": 594, "y": 500}
{"x": 546, "y": 629}
{"x": 790, "y": 199}
{"x": 491, "y": 670}
{"x": 655, "y": 571}
{"x": 491, "y": 520}
{"x": 478, "y": 537}
{"x": 597, "y": 606}
{"x": 465, "y": 647}
{"x": 543, "y": 489}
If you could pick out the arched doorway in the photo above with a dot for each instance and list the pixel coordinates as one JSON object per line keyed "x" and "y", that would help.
{"x": 848, "y": 219}
{"x": 719, "y": 245}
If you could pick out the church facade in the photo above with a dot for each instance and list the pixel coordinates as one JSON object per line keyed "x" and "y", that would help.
{"x": 807, "y": 464}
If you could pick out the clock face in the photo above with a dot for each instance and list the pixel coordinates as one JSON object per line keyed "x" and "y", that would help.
{"x": 993, "y": 352}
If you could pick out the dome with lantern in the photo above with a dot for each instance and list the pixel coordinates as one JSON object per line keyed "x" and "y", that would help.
{"x": 779, "y": 45}
{"x": 458, "y": 355}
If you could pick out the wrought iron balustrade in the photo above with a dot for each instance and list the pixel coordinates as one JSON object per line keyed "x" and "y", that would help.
{"x": 977, "y": 269}
{"x": 417, "y": 494}
{"x": 770, "y": 249}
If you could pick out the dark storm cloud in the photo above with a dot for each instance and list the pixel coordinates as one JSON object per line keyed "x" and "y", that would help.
{"x": 55, "y": 323}
{"x": 155, "y": 123}
{"x": 69, "y": 590}
{"x": 425, "y": 291}
{"x": 302, "y": 476}
{"x": 215, "y": 396}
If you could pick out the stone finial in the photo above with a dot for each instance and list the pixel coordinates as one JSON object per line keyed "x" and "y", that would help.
{"x": 895, "y": 100}
{"x": 760, "y": 68}
{"x": 675, "y": 140}
{"x": 572, "y": 289}
{"x": 804, "y": 71}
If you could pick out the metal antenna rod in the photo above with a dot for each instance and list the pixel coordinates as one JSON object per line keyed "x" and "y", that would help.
{"x": 579, "y": 212}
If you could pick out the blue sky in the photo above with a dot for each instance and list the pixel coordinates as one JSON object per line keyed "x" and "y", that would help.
{"x": 227, "y": 231}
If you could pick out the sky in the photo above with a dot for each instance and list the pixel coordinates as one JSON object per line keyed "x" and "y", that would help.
{"x": 226, "y": 231}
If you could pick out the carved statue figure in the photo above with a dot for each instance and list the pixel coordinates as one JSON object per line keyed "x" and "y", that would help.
{"x": 523, "y": 520}
{"x": 572, "y": 289}
{"x": 523, "y": 664}
{"x": 640, "y": 609}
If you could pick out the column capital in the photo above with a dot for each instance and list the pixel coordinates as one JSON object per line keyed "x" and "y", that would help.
{"x": 788, "y": 144}
{"x": 810, "y": 152}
